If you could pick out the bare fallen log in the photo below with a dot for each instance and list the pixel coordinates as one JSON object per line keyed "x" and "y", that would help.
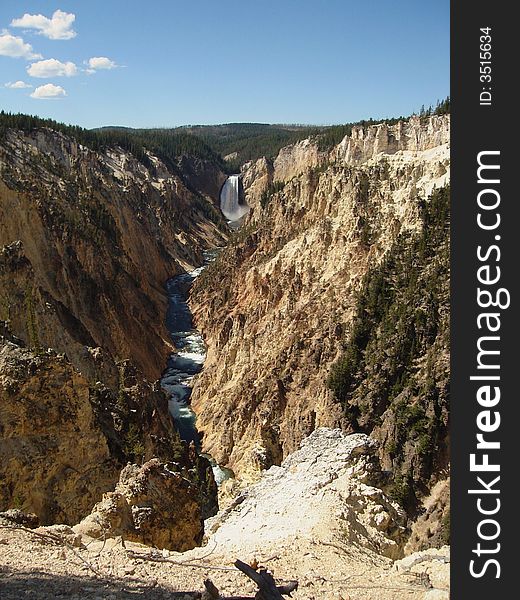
{"x": 267, "y": 588}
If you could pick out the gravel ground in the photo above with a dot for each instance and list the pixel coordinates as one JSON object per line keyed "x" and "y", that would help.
{"x": 31, "y": 567}
{"x": 312, "y": 520}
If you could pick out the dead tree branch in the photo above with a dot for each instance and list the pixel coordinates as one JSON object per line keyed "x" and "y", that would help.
{"x": 268, "y": 590}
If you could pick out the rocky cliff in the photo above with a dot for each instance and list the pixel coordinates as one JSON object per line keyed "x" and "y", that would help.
{"x": 96, "y": 236}
{"x": 325, "y": 485}
{"x": 319, "y": 518}
{"x": 87, "y": 241}
{"x": 64, "y": 441}
{"x": 418, "y": 134}
{"x": 277, "y": 308}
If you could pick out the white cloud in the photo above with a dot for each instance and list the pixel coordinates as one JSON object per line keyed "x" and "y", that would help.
{"x": 15, "y": 47}
{"x": 98, "y": 63}
{"x": 58, "y": 27}
{"x": 17, "y": 85}
{"x": 52, "y": 68}
{"x": 47, "y": 91}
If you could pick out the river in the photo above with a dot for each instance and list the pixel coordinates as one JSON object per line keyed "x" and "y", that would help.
{"x": 187, "y": 360}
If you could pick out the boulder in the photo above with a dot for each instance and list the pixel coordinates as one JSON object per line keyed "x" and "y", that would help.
{"x": 151, "y": 504}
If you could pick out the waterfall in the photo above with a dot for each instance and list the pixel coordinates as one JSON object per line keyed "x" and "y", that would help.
{"x": 229, "y": 199}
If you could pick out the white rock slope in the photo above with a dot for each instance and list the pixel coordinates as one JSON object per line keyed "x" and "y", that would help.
{"x": 320, "y": 491}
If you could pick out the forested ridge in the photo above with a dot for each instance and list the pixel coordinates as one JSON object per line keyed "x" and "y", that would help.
{"x": 164, "y": 143}
{"x": 240, "y": 142}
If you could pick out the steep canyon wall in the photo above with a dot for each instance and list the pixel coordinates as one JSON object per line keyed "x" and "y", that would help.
{"x": 277, "y": 307}
{"x": 87, "y": 241}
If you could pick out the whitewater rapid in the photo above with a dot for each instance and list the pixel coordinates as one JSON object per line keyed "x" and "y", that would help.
{"x": 187, "y": 361}
{"x": 230, "y": 199}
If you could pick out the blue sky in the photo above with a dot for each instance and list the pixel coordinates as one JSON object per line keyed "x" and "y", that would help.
{"x": 168, "y": 63}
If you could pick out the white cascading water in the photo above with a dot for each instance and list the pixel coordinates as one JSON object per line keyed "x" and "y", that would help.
{"x": 229, "y": 200}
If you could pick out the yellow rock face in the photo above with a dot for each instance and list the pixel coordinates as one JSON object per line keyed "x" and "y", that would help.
{"x": 54, "y": 459}
{"x": 277, "y": 303}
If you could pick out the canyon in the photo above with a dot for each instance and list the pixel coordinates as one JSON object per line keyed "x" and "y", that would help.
{"x": 88, "y": 241}
{"x": 307, "y": 382}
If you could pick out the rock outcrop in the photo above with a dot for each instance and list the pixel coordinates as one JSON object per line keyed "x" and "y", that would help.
{"x": 322, "y": 490}
{"x": 276, "y": 307}
{"x": 417, "y": 134}
{"x": 152, "y": 505}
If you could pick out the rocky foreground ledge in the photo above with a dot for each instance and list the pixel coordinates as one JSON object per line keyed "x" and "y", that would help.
{"x": 317, "y": 518}
{"x": 320, "y": 491}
